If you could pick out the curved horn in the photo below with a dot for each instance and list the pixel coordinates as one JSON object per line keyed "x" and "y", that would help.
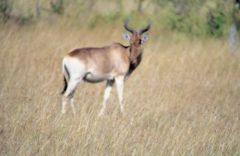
{"x": 127, "y": 27}
{"x": 145, "y": 29}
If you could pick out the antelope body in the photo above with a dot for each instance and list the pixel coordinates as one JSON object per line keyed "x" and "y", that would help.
{"x": 113, "y": 63}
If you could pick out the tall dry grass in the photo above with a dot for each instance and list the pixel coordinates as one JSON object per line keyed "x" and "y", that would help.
{"x": 184, "y": 99}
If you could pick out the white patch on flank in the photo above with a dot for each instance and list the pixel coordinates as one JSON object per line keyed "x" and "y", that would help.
{"x": 76, "y": 68}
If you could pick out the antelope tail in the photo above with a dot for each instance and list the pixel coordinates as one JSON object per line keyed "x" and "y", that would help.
{"x": 65, "y": 75}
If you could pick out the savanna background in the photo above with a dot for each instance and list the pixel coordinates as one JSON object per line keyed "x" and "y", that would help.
{"x": 184, "y": 98}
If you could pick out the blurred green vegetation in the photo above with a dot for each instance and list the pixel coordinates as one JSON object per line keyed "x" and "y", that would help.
{"x": 190, "y": 17}
{"x": 5, "y": 8}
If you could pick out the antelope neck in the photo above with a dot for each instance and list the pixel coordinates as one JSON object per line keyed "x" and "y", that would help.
{"x": 135, "y": 51}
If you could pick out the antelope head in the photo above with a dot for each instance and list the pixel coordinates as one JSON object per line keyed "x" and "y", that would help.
{"x": 136, "y": 39}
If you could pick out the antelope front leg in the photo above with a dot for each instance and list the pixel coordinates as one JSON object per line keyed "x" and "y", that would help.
{"x": 107, "y": 92}
{"x": 120, "y": 84}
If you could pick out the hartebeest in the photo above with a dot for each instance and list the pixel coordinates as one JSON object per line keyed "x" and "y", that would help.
{"x": 112, "y": 63}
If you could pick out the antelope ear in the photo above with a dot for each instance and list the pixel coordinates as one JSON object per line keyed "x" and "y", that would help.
{"x": 126, "y": 36}
{"x": 144, "y": 37}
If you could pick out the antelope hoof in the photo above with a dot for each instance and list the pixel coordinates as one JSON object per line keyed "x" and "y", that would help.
{"x": 122, "y": 111}
{"x": 63, "y": 111}
{"x": 100, "y": 114}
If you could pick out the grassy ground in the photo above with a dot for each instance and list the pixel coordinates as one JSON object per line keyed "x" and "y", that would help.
{"x": 184, "y": 99}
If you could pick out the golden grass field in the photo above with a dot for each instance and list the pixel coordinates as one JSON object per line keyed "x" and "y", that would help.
{"x": 184, "y": 99}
